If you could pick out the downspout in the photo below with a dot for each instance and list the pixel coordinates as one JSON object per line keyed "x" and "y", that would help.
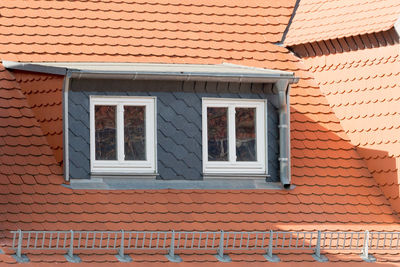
{"x": 283, "y": 88}
{"x": 288, "y": 136}
{"x": 66, "y": 85}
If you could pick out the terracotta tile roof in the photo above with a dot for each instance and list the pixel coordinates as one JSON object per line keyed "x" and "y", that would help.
{"x": 136, "y": 31}
{"x": 335, "y": 189}
{"x": 317, "y": 20}
{"x": 363, "y": 89}
{"x": 43, "y": 93}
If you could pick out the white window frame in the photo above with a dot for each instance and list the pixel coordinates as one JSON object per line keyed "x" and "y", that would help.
{"x": 231, "y": 166}
{"x": 121, "y": 166}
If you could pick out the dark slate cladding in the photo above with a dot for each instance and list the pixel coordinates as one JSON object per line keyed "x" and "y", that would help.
{"x": 179, "y": 139}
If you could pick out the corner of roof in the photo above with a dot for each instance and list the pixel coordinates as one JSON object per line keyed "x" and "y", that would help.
{"x": 311, "y": 28}
{"x": 285, "y": 32}
{"x": 6, "y": 74}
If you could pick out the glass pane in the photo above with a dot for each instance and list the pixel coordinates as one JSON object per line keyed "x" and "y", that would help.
{"x": 245, "y": 134}
{"x": 135, "y": 132}
{"x": 105, "y": 132}
{"x": 217, "y": 128}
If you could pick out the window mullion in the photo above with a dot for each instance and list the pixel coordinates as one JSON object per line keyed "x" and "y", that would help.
{"x": 231, "y": 134}
{"x": 120, "y": 133}
{"x": 148, "y": 132}
{"x": 260, "y": 140}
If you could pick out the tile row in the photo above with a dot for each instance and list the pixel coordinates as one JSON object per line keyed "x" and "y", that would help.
{"x": 335, "y": 19}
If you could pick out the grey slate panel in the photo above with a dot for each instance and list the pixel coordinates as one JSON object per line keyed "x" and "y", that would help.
{"x": 273, "y": 141}
{"x": 78, "y": 142}
{"x": 179, "y": 137}
{"x": 77, "y": 172}
{"x": 78, "y": 160}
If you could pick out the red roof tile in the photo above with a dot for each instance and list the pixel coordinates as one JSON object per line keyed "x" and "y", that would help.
{"x": 166, "y": 31}
{"x": 362, "y": 87}
{"x": 335, "y": 189}
{"x": 317, "y": 20}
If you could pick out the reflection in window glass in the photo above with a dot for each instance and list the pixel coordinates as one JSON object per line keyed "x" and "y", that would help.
{"x": 134, "y": 132}
{"x": 217, "y": 128}
{"x": 105, "y": 133}
{"x": 245, "y": 134}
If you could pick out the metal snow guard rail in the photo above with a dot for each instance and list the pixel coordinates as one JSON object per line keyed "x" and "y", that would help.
{"x": 121, "y": 241}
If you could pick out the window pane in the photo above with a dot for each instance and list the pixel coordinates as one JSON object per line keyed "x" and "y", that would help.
{"x": 105, "y": 133}
{"x": 217, "y": 128}
{"x": 135, "y": 132}
{"x": 245, "y": 134}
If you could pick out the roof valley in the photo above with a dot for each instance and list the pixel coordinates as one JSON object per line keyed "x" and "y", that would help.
{"x": 363, "y": 94}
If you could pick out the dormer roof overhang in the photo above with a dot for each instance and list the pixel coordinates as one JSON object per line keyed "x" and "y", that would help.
{"x": 161, "y": 71}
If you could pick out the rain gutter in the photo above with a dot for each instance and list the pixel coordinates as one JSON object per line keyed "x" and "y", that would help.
{"x": 197, "y": 76}
{"x": 157, "y": 75}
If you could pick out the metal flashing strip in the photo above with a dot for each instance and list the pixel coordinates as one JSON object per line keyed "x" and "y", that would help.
{"x": 211, "y": 184}
{"x": 235, "y": 176}
{"x": 397, "y": 26}
{"x": 124, "y": 242}
{"x": 33, "y": 67}
{"x": 151, "y": 71}
{"x": 65, "y": 91}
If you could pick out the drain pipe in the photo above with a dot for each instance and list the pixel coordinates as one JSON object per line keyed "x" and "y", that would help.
{"x": 282, "y": 88}
{"x": 66, "y": 85}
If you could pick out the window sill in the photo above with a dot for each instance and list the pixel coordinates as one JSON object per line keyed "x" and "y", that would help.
{"x": 151, "y": 184}
{"x": 108, "y": 175}
{"x": 235, "y": 176}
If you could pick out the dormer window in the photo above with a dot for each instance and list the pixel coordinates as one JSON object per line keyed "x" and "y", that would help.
{"x": 212, "y": 123}
{"x": 123, "y": 135}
